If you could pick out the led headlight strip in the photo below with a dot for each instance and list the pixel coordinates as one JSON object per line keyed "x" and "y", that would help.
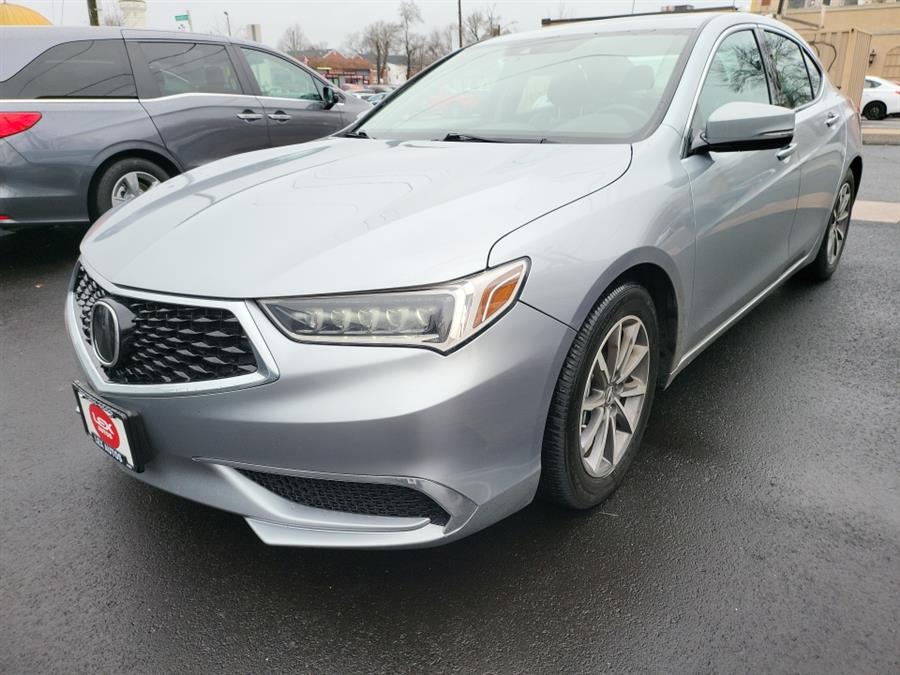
{"x": 438, "y": 317}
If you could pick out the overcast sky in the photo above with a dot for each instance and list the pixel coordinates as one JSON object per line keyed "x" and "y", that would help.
{"x": 330, "y": 21}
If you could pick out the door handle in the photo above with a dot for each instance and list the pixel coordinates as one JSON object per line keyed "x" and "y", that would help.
{"x": 249, "y": 116}
{"x": 279, "y": 116}
{"x": 786, "y": 151}
{"x": 832, "y": 119}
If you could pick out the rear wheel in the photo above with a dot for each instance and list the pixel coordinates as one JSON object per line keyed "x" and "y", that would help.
{"x": 124, "y": 180}
{"x": 602, "y": 400}
{"x": 876, "y": 110}
{"x": 835, "y": 238}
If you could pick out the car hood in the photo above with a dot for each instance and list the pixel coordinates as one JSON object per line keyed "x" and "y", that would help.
{"x": 340, "y": 215}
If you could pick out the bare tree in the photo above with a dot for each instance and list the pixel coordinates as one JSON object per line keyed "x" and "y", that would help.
{"x": 378, "y": 38}
{"x": 354, "y": 43}
{"x": 111, "y": 15}
{"x": 293, "y": 40}
{"x": 481, "y": 24}
{"x": 475, "y": 26}
{"x": 412, "y": 43}
{"x": 437, "y": 45}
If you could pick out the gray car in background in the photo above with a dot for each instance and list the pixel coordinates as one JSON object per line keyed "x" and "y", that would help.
{"x": 92, "y": 117}
{"x": 398, "y": 335}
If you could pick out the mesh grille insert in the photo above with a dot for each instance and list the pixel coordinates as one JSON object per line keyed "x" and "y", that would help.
{"x": 171, "y": 343}
{"x": 371, "y": 499}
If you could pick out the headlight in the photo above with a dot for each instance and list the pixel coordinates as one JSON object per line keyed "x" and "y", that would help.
{"x": 437, "y": 317}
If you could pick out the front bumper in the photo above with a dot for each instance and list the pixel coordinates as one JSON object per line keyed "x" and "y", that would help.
{"x": 465, "y": 429}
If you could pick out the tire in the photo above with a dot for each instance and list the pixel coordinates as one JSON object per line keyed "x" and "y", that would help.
{"x": 826, "y": 260}
{"x": 876, "y": 110}
{"x": 565, "y": 476}
{"x": 101, "y": 198}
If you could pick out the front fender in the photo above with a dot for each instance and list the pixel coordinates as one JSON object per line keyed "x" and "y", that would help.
{"x": 578, "y": 251}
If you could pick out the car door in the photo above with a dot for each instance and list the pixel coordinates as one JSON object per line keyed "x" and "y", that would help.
{"x": 744, "y": 202}
{"x": 819, "y": 132}
{"x": 292, "y": 99}
{"x": 193, "y": 94}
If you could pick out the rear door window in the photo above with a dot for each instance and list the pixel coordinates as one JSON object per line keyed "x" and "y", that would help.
{"x": 190, "y": 67}
{"x": 82, "y": 69}
{"x": 790, "y": 70}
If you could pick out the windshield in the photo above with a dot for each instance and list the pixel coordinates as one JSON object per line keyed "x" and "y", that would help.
{"x": 604, "y": 87}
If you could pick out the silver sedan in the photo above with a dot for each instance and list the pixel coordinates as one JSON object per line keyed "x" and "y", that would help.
{"x": 400, "y": 334}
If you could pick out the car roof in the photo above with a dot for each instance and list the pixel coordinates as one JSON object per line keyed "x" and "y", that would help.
{"x": 719, "y": 19}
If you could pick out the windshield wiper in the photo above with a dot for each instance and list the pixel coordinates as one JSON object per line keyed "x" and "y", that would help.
{"x": 356, "y": 134}
{"x": 468, "y": 138}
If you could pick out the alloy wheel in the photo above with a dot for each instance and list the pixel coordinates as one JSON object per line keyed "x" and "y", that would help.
{"x": 838, "y": 224}
{"x": 131, "y": 185}
{"x": 614, "y": 396}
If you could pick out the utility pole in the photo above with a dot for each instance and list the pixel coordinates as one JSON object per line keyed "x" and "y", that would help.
{"x": 93, "y": 14}
{"x": 459, "y": 10}
{"x": 228, "y": 23}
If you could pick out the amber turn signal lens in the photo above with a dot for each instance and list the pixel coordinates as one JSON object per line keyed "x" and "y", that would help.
{"x": 497, "y": 295}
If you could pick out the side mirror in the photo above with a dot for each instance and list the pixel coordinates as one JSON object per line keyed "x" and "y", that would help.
{"x": 331, "y": 98}
{"x": 739, "y": 126}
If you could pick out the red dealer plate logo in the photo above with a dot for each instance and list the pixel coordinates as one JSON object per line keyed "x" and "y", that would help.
{"x": 104, "y": 426}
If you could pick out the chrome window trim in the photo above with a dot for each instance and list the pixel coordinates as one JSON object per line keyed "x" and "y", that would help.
{"x": 133, "y": 99}
{"x": 170, "y": 97}
{"x": 686, "y": 131}
{"x": 267, "y": 370}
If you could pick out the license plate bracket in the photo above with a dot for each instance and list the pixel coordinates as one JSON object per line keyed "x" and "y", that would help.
{"x": 116, "y": 431}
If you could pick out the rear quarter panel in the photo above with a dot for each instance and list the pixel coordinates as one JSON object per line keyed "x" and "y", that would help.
{"x": 64, "y": 149}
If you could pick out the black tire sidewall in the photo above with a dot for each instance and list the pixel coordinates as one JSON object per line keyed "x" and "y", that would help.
{"x": 820, "y": 267}
{"x": 586, "y": 490}
{"x": 101, "y": 198}
{"x": 878, "y": 108}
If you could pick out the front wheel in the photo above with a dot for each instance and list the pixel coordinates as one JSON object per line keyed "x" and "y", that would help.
{"x": 838, "y": 227}
{"x": 124, "y": 180}
{"x": 602, "y": 400}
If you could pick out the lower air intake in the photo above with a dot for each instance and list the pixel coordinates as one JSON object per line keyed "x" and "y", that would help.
{"x": 370, "y": 499}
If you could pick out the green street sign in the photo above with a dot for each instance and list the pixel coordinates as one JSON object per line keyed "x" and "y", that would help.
{"x": 182, "y": 17}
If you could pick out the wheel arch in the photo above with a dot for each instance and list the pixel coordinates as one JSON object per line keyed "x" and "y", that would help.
{"x": 655, "y": 271}
{"x": 114, "y": 154}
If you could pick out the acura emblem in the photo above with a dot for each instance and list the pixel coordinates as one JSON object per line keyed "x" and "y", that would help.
{"x": 105, "y": 332}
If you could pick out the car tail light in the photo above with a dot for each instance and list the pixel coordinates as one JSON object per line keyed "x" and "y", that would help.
{"x": 17, "y": 122}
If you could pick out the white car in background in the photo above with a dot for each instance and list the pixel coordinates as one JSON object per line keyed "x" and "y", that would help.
{"x": 880, "y": 98}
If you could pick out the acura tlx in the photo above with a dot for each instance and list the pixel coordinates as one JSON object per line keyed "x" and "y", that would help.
{"x": 400, "y": 334}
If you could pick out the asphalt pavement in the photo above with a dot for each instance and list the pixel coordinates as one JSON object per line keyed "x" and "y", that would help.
{"x": 758, "y": 531}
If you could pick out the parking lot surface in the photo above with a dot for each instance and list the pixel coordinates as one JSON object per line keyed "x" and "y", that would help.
{"x": 759, "y": 530}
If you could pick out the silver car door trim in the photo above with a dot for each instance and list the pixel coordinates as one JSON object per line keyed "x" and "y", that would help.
{"x": 730, "y": 321}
